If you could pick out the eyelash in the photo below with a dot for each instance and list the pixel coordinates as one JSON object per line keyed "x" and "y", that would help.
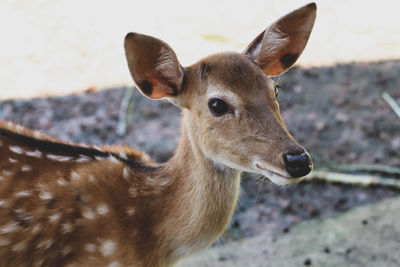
{"x": 276, "y": 89}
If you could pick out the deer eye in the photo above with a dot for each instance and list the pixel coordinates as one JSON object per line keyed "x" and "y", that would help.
{"x": 217, "y": 106}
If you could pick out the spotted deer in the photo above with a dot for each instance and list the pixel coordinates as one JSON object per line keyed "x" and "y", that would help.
{"x": 64, "y": 204}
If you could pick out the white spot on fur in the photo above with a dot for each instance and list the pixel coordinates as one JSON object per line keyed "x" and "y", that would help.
{"x": 66, "y": 250}
{"x": 26, "y": 168}
{"x": 82, "y": 159}
{"x": 113, "y": 264}
{"x": 8, "y": 228}
{"x": 61, "y": 182}
{"x": 113, "y": 159}
{"x": 45, "y": 244}
{"x": 37, "y": 134}
{"x": 66, "y": 228}
{"x": 4, "y": 203}
{"x": 7, "y": 172}
{"x": 19, "y": 128}
{"x": 4, "y": 242}
{"x": 122, "y": 154}
{"x": 17, "y": 149}
{"x": 107, "y": 248}
{"x": 91, "y": 179}
{"x": 25, "y": 193}
{"x": 12, "y": 160}
{"x": 55, "y": 217}
{"x": 36, "y": 228}
{"x": 40, "y": 186}
{"x": 145, "y": 157}
{"x": 130, "y": 211}
{"x": 164, "y": 181}
{"x": 90, "y": 247}
{"x": 45, "y": 195}
{"x": 35, "y": 154}
{"x": 99, "y": 158}
{"x": 102, "y": 209}
{"x": 58, "y": 157}
{"x": 19, "y": 247}
{"x": 89, "y": 214}
{"x": 39, "y": 262}
{"x": 75, "y": 176}
{"x": 125, "y": 173}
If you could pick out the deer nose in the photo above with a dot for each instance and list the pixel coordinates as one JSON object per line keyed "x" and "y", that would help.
{"x": 297, "y": 165}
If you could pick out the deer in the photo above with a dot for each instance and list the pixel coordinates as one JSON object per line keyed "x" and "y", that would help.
{"x": 67, "y": 204}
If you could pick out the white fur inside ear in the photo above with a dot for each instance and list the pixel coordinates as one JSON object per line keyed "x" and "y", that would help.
{"x": 273, "y": 41}
{"x": 168, "y": 66}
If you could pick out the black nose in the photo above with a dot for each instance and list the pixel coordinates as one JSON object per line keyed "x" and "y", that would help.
{"x": 297, "y": 165}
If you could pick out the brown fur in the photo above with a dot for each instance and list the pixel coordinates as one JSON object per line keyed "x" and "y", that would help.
{"x": 65, "y": 204}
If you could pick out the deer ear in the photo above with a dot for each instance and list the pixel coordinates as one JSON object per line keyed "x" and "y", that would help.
{"x": 277, "y": 48}
{"x": 153, "y": 66}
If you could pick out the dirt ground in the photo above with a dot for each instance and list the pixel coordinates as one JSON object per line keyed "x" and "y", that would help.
{"x": 336, "y": 112}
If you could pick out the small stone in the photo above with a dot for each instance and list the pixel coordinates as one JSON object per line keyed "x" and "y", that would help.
{"x": 307, "y": 262}
{"x": 222, "y": 258}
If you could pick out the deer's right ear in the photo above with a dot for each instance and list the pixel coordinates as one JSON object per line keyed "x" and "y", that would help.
{"x": 153, "y": 66}
{"x": 277, "y": 48}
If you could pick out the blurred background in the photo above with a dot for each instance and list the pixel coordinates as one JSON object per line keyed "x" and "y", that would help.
{"x": 60, "y": 46}
{"x": 63, "y": 72}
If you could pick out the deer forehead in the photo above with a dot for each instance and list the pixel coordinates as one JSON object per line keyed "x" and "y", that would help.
{"x": 236, "y": 74}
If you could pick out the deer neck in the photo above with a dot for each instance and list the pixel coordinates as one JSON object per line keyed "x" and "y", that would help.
{"x": 205, "y": 196}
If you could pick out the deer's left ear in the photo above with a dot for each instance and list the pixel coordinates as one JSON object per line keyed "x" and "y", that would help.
{"x": 153, "y": 66}
{"x": 277, "y": 48}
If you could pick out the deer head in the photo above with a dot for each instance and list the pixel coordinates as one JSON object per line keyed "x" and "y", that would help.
{"x": 229, "y": 99}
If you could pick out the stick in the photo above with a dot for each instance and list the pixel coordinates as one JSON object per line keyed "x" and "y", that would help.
{"x": 330, "y": 165}
{"x": 363, "y": 168}
{"x": 392, "y": 103}
{"x": 126, "y": 111}
{"x": 365, "y": 180}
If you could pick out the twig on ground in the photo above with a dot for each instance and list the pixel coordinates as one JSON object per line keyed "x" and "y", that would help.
{"x": 329, "y": 165}
{"x": 126, "y": 111}
{"x": 355, "y": 179}
{"x": 362, "y": 168}
{"x": 392, "y": 103}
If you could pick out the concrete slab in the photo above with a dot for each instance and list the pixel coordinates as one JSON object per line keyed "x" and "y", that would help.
{"x": 365, "y": 236}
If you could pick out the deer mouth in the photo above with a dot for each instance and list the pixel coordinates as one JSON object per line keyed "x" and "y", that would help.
{"x": 277, "y": 178}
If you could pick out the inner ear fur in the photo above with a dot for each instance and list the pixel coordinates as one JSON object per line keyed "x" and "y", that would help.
{"x": 277, "y": 48}
{"x": 153, "y": 66}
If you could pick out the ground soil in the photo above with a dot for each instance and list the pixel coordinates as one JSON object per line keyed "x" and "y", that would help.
{"x": 336, "y": 112}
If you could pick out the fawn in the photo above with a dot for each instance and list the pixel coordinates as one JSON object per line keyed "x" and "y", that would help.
{"x": 64, "y": 204}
